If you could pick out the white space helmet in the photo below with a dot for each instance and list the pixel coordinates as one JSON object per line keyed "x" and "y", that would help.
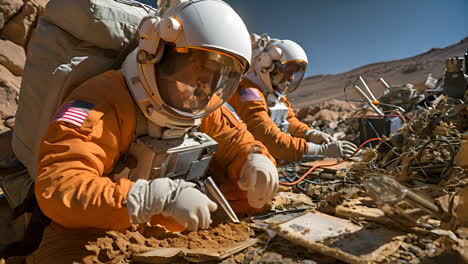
{"x": 277, "y": 65}
{"x": 188, "y": 62}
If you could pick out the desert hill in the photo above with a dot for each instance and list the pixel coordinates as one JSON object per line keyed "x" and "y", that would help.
{"x": 320, "y": 88}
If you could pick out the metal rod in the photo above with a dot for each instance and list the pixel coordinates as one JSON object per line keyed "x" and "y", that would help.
{"x": 384, "y": 104}
{"x": 367, "y": 89}
{"x": 367, "y": 99}
{"x": 298, "y": 210}
{"x": 425, "y": 203}
{"x": 383, "y": 82}
{"x": 213, "y": 189}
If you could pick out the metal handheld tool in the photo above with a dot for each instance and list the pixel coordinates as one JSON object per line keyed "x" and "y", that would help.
{"x": 213, "y": 189}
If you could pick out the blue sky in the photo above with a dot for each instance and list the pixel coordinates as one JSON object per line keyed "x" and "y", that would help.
{"x": 340, "y": 35}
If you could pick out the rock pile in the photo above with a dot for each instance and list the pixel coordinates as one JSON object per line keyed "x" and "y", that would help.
{"x": 18, "y": 19}
{"x": 330, "y": 112}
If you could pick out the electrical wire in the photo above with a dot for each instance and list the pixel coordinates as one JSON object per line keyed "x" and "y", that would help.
{"x": 346, "y": 96}
{"x": 447, "y": 167}
{"x": 328, "y": 165}
{"x": 398, "y": 113}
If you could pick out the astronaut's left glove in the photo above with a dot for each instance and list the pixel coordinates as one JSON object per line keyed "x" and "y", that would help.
{"x": 318, "y": 137}
{"x": 259, "y": 177}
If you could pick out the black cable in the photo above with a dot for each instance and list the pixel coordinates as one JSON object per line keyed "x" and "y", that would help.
{"x": 303, "y": 187}
{"x": 346, "y": 96}
{"x": 258, "y": 217}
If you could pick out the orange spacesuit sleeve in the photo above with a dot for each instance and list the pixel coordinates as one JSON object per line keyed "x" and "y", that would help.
{"x": 235, "y": 142}
{"x": 296, "y": 127}
{"x": 72, "y": 186}
{"x": 253, "y": 110}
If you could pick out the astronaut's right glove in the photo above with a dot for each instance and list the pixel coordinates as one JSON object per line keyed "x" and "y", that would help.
{"x": 334, "y": 149}
{"x": 175, "y": 198}
{"x": 259, "y": 177}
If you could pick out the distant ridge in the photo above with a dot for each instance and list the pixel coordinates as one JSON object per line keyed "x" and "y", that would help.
{"x": 319, "y": 88}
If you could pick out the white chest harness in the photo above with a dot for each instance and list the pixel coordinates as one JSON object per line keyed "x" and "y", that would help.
{"x": 185, "y": 157}
{"x": 278, "y": 112}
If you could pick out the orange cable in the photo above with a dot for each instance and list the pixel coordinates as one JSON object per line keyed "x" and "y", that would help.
{"x": 400, "y": 114}
{"x": 328, "y": 165}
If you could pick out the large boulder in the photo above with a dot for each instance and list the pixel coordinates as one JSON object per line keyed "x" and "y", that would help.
{"x": 304, "y": 112}
{"x": 9, "y": 92}
{"x": 12, "y": 56}
{"x": 18, "y": 29}
{"x": 331, "y": 110}
{"x": 9, "y": 8}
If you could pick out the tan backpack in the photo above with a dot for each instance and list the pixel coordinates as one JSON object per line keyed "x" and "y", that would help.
{"x": 74, "y": 41}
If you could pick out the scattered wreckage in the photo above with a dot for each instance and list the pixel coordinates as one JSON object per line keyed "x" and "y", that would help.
{"x": 403, "y": 201}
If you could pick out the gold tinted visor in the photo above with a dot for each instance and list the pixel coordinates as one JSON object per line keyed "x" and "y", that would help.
{"x": 193, "y": 82}
{"x": 286, "y": 76}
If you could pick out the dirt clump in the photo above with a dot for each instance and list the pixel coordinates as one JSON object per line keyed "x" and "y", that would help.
{"x": 219, "y": 237}
{"x": 118, "y": 247}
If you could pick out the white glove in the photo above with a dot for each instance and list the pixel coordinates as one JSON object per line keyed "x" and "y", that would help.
{"x": 318, "y": 137}
{"x": 333, "y": 149}
{"x": 259, "y": 177}
{"x": 191, "y": 209}
{"x": 176, "y": 198}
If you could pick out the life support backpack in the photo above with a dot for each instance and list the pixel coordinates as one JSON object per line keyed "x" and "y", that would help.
{"x": 74, "y": 41}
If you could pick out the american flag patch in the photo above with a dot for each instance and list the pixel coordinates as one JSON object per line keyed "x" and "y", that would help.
{"x": 249, "y": 94}
{"x": 74, "y": 112}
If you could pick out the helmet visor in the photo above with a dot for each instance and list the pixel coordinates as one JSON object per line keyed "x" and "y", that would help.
{"x": 193, "y": 82}
{"x": 286, "y": 76}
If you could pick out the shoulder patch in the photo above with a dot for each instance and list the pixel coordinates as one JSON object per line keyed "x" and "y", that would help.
{"x": 232, "y": 110}
{"x": 74, "y": 112}
{"x": 249, "y": 94}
